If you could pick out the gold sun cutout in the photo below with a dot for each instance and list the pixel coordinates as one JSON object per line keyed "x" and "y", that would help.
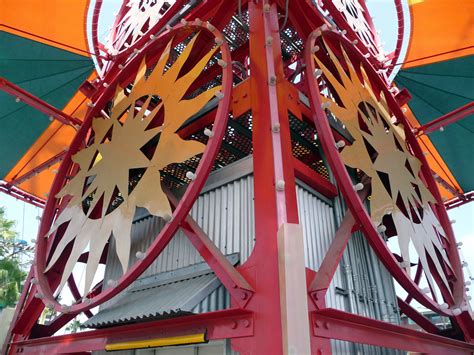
{"x": 379, "y": 150}
{"x": 105, "y": 165}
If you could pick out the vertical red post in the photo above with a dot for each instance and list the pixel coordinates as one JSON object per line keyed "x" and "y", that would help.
{"x": 276, "y": 214}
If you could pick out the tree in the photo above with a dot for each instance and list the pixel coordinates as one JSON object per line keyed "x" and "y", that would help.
{"x": 11, "y": 274}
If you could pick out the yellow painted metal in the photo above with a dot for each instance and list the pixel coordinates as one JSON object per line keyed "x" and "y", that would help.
{"x": 397, "y": 188}
{"x": 153, "y": 343}
{"x": 109, "y": 159}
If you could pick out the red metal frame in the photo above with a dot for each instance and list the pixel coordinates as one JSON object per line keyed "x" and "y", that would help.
{"x": 182, "y": 209}
{"x": 460, "y": 200}
{"x": 254, "y": 325}
{"x": 446, "y": 120}
{"x": 37, "y": 103}
{"x": 21, "y": 195}
{"x": 400, "y": 36}
{"x": 356, "y": 204}
{"x": 17, "y": 180}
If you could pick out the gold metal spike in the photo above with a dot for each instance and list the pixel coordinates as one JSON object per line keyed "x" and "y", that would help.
{"x": 116, "y": 149}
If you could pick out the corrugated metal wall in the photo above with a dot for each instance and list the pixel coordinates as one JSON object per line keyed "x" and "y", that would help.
{"x": 225, "y": 211}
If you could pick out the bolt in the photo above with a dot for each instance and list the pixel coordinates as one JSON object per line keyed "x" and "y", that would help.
{"x": 246, "y": 323}
{"x": 280, "y": 185}
{"x": 208, "y": 132}
{"x": 276, "y": 128}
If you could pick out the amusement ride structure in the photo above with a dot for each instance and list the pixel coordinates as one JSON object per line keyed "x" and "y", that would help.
{"x": 237, "y": 173}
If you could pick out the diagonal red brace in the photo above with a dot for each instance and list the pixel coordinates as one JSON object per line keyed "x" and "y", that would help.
{"x": 37, "y": 103}
{"x": 240, "y": 290}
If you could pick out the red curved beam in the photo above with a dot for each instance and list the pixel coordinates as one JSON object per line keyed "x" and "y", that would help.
{"x": 184, "y": 205}
{"x": 400, "y": 36}
{"x": 355, "y": 204}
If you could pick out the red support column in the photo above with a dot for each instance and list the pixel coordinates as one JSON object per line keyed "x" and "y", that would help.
{"x": 276, "y": 213}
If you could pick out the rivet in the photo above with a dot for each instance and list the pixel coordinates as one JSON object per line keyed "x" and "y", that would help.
{"x": 167, "y": 217}
{"x": 17, "y": 99}
{"x": 51, "y": 118}
{"x": 266, "y": 8}
{"x": 234, "y": 324}
{"x": 184, "y": 22}
{"x": 325, "y": 105}
{"x": 121, "y": 66}
{"x": 340, "y": 144}
{"x": 317, "y": 73}
{"x": 276, "y": 128}
{"x": 190, "y": 175}
{"x": 222, "y": 63}
{"x": 152, "y": 37}
{"x": 269, "y": 41}
{"x": 381, "y": 228}
{"x": 280, "y": 185}
{"x": 314, "y": 49}
{"x": 358, "y": 187}
{"x": 208, "y": 132}
{"x": 140, "y": 255}
{"x": 198, "y": 21}
{"x": 168, "y": 27}
{"x": 90, "y": 104}
{"x": 272, "y": 80}
{"x": 246, "y": 323}
{"x": 218, "y": 41}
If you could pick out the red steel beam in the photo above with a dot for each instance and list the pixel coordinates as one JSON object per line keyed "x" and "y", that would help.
{"x": 38, "y": 169}
{"x": 447, "y": 119}
{"x": 21, "y": 195}
{"x": 460, "y": 200}
{"x": 417, "y": 317}
{"x": 335, "y": 324}
{"x": 233, "y": 281}
{"x": 231, "y": 323}
{"x": 314, "y": 180}
{"x": 37, "y": 103}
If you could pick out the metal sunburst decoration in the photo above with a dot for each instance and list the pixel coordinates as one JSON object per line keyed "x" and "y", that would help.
{"x": 102, "y": 197}
{"x": 380, "y": 151}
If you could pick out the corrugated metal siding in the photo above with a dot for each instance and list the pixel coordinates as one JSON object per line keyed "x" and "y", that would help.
{"x": 226, "y": 214}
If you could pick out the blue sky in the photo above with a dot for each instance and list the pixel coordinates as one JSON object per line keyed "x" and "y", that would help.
{"x": 383, "y": 11}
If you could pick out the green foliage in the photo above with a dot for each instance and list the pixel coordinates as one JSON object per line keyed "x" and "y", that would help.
{"x": 11, "y": 274}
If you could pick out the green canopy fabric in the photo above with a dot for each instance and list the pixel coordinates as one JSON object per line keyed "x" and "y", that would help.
{"x": 52, "y": 74}
{"x": 438, "y": 89}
